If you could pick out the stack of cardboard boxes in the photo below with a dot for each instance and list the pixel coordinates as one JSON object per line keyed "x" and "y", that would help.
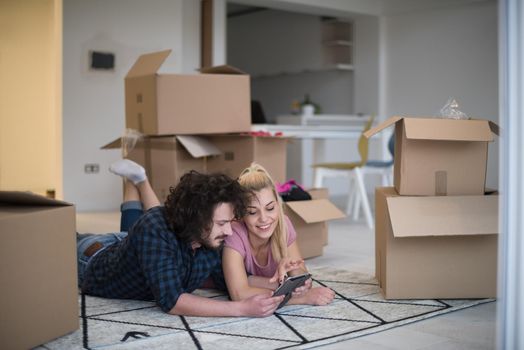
{"x": 194, "y": 122}
{"x": 202, "y": 122}
{"x": 436, "y": 230}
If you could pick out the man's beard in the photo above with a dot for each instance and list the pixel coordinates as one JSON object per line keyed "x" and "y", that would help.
{"x": 214, "y": 244}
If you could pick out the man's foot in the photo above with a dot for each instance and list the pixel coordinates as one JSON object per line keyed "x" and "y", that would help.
{"x": 130, "y": 170}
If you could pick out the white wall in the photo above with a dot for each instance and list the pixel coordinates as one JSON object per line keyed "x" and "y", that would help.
{"x": 271, "y": 41}
{"x": 93, "y": 110}
{"x": 431, "y": 55}
{"x": 324, "y": 7}
{"x": 332, "y": 90}
{"x": 366, "y": 65}
{"x": 278, "y": 48}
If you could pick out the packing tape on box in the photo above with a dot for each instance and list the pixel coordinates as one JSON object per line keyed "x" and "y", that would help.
{"x": 441, "y": 183}
{"x": 129, "y": 140}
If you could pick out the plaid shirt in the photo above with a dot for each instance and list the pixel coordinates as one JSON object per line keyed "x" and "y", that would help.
{"x": 151, "y": 263}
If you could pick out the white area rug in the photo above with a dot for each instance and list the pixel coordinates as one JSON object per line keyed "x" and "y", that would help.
{"x": 358, "y": 309}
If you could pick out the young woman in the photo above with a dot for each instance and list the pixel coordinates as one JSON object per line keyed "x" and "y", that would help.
{"x": 262, "y": 249}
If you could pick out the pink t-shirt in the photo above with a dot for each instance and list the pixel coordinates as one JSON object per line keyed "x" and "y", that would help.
{"x": 239, "y": 241}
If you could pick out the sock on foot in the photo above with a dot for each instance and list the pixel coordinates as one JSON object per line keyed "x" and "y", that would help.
{"x": 130, "y": 170}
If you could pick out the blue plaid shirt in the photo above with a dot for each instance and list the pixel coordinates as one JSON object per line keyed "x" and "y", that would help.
{"x": 151, "y": 263}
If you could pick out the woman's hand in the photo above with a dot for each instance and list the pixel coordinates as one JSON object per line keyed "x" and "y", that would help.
{"x": 303, "y": 289}
{"x": 284, "y": 266}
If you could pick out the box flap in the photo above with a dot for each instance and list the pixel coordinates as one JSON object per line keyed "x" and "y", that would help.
{"x": 447, "y": 129}
{"x": 148, "y": 64}
{"x": 443, "y": 216}
{"x": 318, "y": 193}
{"x": 494, "y": 128}
{"x": 382, "y": 126}
{"x": 28, "y": 198}
{"x": 223, "y": 69}
{"x": 198, "y": 146}
{"x": 315, "y": 210}
{"x": 113, "y": 144}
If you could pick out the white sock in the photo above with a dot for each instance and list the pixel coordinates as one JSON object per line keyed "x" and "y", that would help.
{"x": 130, "y": 170}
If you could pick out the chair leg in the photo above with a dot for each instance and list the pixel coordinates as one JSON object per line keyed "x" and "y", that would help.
{"x": 318, "y": 177}
{"x": 364, "y": 198}
{"x": 352, "y": 193}
{"x": 357, "y": 197}
{"x": 356, "y": 201}
{"x": 385, "y": 177}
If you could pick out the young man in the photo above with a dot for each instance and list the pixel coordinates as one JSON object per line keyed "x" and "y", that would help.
{"x": 169, "y": 251}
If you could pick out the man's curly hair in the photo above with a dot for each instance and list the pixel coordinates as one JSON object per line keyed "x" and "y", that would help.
{"x": 190, "y": 205}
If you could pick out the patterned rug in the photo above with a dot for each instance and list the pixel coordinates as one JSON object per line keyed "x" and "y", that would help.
{"x": 358, "y": 309}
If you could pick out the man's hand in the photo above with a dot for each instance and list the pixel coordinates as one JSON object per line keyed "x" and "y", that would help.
{"x": 260, "y": 305}
{"x": 284, "y": 266}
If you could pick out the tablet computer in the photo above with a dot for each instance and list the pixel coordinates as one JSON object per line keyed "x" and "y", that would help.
{"x": 289, "y": 286}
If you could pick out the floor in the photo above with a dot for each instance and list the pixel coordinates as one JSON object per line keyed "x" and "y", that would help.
{"x": 351, "y": 246}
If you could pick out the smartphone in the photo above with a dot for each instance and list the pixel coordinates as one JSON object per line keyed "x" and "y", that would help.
{"x": 289, "y": 285}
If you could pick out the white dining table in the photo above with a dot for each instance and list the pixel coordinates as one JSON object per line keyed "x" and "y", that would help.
{"x": 316, "y": 139}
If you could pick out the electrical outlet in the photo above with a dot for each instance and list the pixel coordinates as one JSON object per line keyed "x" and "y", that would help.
{"x": 91, "y": 168}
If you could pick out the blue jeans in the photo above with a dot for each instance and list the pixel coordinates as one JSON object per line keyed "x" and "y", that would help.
{"x": 130, "y": 212}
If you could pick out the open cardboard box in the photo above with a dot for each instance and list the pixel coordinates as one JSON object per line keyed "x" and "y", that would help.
{"x": 310, "y": 221}
{"x": 323, "y": 193}
{"x": 167, "y": 158}
{"x": 38, "y": 270}
{"x": 216, "y": 101}
{"x": 436, "y": 157}
{"x": 436, "y": 247}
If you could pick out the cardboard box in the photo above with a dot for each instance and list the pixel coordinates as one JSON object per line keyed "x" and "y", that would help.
{"x": 216, "y": 101}
{"x": 166, "y": 158}
{"x": 37, "y": 270}
{"x": 436, "y": 157}
{"x": 239, "y": 151}
{"x": 309, "y": 219}
{"x": 436, "y": 247}
{"x": 321, "y": 193}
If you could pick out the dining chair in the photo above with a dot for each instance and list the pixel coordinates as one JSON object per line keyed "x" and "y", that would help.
{"x": 353, "y": 171}
{"x": 382, "y": 168}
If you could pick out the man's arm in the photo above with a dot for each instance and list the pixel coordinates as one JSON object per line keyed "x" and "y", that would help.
{"x": 260, "y": 305}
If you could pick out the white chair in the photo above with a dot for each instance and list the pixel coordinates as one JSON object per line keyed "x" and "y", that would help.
{"x": 382, "y": 168}
{"x": 353, "y": 171}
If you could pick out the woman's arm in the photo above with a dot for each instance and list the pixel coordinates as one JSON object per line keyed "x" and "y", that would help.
{"x": 291, "y": 265}
{"x": 306, "y": 294}
{"x": 236, "y": 278}
{"x": 294, "y": 253}
{"x": 261, "y": 282}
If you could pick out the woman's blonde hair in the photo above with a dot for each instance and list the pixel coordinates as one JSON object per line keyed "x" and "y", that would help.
{"x": 256, "y": 178}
